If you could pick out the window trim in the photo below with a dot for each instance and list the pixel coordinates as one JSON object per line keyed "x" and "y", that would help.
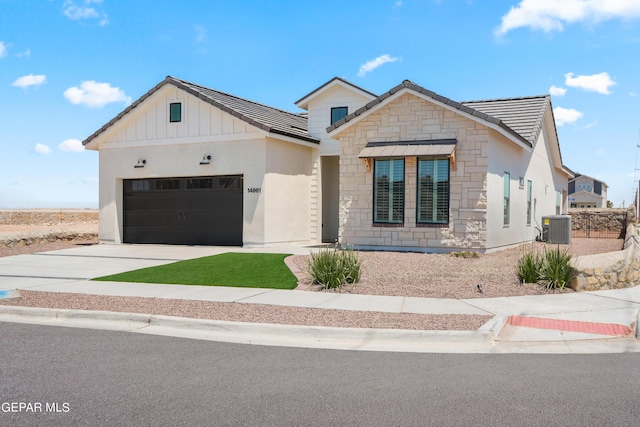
{"x": 171, "y": 116}
{"x": 390, "y": 222}
{"x": 432, "y": 222}
{"x": 346, "y": 113}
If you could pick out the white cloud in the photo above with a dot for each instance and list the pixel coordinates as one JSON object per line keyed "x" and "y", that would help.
{"x": 90, "y": 180}
{"x": 72, "y": 145}
{"x": 566, "y": 115}
{"x": 557, "y": 91}
{"x": 3, "y": 49}
{"x": 84, "y": 11}
{"x": 30, "y": 80}
{"x": 551, "y": 15}
{"x": 594, "y": 83}
{"x": 41, "y": 149}
{"x": 375, "y": 63}
{"x": 399, "y": 3}
{"x": 94, "y": 94}
{"x": 25, "y": 54}
{"x": 201, "y": 33}
{"x": 633, "y": 93}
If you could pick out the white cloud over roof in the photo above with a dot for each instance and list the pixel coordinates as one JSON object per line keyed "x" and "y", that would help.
{"x": 72, "y": 145}
{"x": 557, "y": 91}
{"x": 565, "y": 115}
{"x": 552, "y": 15}
{"x": 594, "y": 83}
{"x": 369, "y": 66}
{"x": 95, "y": 94}
{"x": 30, "y": 80}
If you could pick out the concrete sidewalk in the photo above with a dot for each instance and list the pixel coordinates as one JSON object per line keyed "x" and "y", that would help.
{"x": 69, "y": 271}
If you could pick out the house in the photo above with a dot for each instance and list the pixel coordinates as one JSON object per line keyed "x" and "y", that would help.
{"x": 587, "y": 192}
{"x": 408, "y": 169}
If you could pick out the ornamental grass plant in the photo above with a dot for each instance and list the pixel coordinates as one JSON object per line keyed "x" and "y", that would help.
{"x": 551, "y": 268}
{"x": 333, "y": 268}
{"x": 556, "y": 268}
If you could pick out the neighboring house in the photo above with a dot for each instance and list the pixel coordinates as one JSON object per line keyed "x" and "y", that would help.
{"x": 408, "y": 169}
{"x": 587, "y": 192}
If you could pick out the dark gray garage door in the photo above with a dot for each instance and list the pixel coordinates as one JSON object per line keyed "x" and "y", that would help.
{"x": 184, "y": 211}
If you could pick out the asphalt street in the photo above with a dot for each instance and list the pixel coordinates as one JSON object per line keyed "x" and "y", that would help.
{"x": 91, "y": 377}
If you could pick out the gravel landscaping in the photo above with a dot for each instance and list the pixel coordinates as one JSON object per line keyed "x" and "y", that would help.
{"x": 383, "y": 273}
{"x": 448, "y": 276}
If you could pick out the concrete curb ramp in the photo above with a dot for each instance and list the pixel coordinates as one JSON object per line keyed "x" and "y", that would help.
{"x": 361, "y": 339}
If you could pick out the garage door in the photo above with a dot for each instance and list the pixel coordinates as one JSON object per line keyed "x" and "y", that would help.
{"x": 184, "y": 211}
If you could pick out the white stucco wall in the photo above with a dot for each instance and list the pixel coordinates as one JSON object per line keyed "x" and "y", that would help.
{"x": 279, "y": 169}
{"x": 286, "y": 191}
{"x": 534, "y": 165}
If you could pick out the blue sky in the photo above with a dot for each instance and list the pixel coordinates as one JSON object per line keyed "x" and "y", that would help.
{"x": 68, "y": 66}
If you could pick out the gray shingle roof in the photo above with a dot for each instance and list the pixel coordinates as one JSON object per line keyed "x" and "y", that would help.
{"x": 521, "y": 117}
{"x": 258, "y": 115}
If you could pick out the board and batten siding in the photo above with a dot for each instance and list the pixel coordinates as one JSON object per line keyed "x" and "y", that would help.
{"x": 149, "y": 121}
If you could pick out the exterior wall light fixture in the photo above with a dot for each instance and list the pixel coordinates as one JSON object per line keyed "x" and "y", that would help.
{"x": 140, "y": 164}
{"x": 206, "y": 159}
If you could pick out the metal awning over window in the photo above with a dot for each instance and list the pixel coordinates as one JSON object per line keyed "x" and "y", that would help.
{"x": 440, "y": 147}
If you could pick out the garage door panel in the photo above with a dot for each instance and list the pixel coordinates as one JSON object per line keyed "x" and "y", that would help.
{"x": 190, "y": 211}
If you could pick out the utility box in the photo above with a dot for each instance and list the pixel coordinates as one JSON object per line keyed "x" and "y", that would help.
{"x": 556, "y": 229}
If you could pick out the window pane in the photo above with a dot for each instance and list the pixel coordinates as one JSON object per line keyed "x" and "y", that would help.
{"x": 175, "y": 112}
{"x": 529, "y": 187}
{"x": 388, "y": 191}
{"x": 167, "y": 184}
{"x": 507, "y": 195}
{"x": 433, "y": 190}
{"x": 338, "y": 113}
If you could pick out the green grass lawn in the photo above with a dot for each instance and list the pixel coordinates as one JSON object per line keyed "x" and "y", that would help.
{"x": 228, "y": 269}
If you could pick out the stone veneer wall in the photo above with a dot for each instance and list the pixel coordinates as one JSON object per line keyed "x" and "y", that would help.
{"x": 405, "y": 119}
{"x": 613, "y": 270}
{"x": 600, "y": 219}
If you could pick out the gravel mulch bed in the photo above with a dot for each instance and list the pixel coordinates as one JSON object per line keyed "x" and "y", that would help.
{"x": 238, "y": 312}
{"x": 383, "y": 273}
{"x": 448, "y": 276}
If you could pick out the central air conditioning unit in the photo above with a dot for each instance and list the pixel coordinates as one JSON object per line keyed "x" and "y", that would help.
{"x": 556, "y": 229}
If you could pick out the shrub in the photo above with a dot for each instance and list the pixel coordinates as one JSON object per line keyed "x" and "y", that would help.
{"x": 333, "y": 268}
{"x": 556, "y": 270}
{"x": 465, "y": 254}
{"x": 529, "y": 267}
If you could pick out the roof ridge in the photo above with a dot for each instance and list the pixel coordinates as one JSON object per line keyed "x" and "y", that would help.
{"x": 232, "y": 96}
{"x": 517, "y": 98}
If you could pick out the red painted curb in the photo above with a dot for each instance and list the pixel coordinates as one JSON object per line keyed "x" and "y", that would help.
{"x": 612, "y": 329}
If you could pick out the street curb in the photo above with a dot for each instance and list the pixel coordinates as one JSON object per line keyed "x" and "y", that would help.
{"x": 248, "y": 333}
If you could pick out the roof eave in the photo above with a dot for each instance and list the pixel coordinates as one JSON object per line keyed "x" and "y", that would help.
{"x": 304, "y": 101}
